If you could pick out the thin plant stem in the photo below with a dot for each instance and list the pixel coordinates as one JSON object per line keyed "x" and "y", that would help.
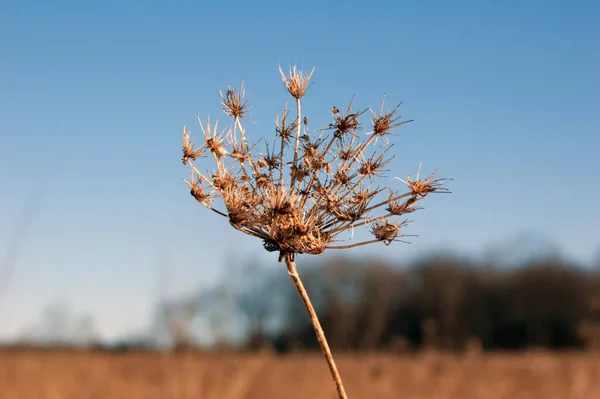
{"x": 298, "y": 132}
{"x": 358, "y": 244}
{"x": 291, "y": 266}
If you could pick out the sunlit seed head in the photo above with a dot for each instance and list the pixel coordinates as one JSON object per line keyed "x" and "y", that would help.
{"x": 300, "y": 194}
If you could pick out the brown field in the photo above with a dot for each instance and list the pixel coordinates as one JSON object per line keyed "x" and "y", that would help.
{"x": 79, "y": 375}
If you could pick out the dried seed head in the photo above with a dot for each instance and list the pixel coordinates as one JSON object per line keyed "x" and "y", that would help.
{"x": 314, "y": 160}
{"x": 216, "y": 147}
{"x": 188, "y": 148}
{"x": 333, "y": 203}
{"x": 296, "y": 83}
{"x": 213, "y": 141}
{"x": 240, "y": 153}
{"x": 300, "y": 196}
{"x": 385, "y": 231}
{"x": 420, "y": 188}
{"x": 223, "y": 181}
{"x": 271, "y": 161}
{"x": 341, "y": 177}
{"x": 281, "y": 202}
{"x": 381, "y": 124}
{"x": 298, "y": 172}
{"x": 373, "y": 165}
{"x": 197, "y": 191}
{"x": 346, "y": 153}
{"x": 283, "y": 129}
{"x": 261, "y": 163}
{"x": 345, "y": 124}
{"x": 241, "y": 207}
{"x": 262, "y": 181}
{"x": 234, "y": 103}
{"x": 363, "y": 196}
{"x": 239, "y": 215}
{"x": 349, "y": 214}
{"x": 384, "y": 123}
{"x": 399, "y": 208}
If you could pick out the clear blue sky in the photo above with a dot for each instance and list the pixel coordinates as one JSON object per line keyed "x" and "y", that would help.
{"x": 506, "y": 98}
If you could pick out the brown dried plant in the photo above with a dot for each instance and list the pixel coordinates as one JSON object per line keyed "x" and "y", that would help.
{"x": 305, "y": 193}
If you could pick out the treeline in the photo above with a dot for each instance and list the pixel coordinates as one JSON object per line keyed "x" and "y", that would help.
{"x": 442, "y": 302}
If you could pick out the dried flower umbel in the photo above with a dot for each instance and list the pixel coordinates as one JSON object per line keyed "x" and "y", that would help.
{"x": 304, "y": 192}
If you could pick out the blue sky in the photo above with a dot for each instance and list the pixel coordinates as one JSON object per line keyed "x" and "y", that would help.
{"x": 505, "y": 97}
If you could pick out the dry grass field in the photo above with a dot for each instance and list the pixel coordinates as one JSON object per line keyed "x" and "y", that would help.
{"x": 79, "y": 375}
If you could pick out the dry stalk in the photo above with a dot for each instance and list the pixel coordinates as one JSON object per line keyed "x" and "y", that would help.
{"x": 299, "y": 197}
{"x": 291, "y": 266}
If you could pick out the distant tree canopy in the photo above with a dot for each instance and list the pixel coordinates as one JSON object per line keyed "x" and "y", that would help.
{"x": 444, "y": 302}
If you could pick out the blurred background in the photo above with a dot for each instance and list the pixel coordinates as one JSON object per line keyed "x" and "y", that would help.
{"x": 103, "y": 248}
